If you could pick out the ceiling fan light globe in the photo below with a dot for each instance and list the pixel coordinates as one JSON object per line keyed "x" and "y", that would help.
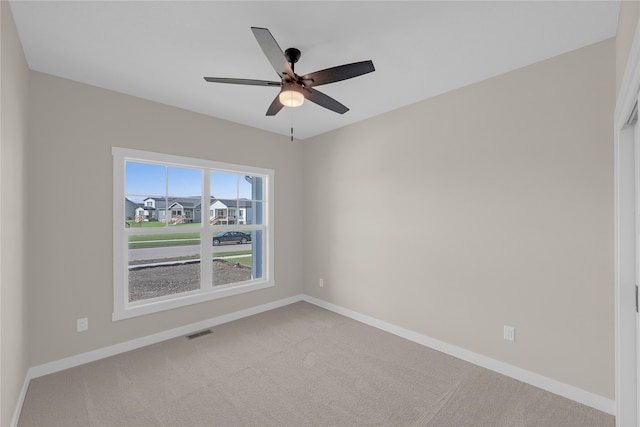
{"x": 291, "y": 98}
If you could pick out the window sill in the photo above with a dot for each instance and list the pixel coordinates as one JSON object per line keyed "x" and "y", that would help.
{"x": 154, "y": 306}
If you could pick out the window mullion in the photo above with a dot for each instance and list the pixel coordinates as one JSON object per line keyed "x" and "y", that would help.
{"x": 166, "y": 196}
{"x": 206, "y": 271}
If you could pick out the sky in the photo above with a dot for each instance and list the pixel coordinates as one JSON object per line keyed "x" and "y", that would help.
{"x": 145, "y": 180}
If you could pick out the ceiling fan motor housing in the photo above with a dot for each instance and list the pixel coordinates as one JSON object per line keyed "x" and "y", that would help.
{"x": 292, "y": 54}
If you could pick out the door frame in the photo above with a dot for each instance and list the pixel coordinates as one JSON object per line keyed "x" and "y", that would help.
{"x": 626, "y": 357}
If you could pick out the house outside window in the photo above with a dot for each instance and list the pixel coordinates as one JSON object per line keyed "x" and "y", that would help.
{"x": 162, "y": 263}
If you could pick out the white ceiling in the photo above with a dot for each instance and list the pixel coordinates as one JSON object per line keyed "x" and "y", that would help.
{"x": 160, "y": 50}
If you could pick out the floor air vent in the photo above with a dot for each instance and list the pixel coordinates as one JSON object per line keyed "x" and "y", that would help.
{"x": 199, "y": 334}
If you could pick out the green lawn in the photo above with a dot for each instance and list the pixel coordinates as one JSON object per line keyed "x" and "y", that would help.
{"x": 158, "y": 240}
{"x": 246, "y": 261}
{"x": 176, "y": 236}
{"x": 153, "y": 244}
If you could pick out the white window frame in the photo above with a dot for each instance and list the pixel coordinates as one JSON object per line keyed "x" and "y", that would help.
{"x": 122, "y": 308}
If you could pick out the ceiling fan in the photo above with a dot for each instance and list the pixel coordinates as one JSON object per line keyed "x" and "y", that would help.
{"x": 294, "y": 89}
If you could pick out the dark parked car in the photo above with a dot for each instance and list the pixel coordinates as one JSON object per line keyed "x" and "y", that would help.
{"x": 231, "y": 237}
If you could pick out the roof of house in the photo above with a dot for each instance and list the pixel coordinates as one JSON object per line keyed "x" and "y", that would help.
{"x": 186, "y": 202}
{"x": 194, "y": 202}
{"x": 234, "y": 203}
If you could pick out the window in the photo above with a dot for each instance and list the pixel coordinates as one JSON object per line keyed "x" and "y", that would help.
{"x": 172, "y": 256}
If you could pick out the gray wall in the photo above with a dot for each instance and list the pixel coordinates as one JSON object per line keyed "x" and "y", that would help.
{"x": 627, "y": 24}
{"x": 73, "y": 127}
{"x": 13, "y": 140}
{"x": 490, "y": 205}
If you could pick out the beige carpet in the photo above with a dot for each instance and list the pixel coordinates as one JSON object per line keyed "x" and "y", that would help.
{"x": 299, "y": 365}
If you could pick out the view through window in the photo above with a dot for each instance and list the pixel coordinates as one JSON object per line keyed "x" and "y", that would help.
{"x": 175, "y": 213}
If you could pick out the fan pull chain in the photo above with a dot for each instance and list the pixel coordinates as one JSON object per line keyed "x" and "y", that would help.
{"x": 291, "y": 124}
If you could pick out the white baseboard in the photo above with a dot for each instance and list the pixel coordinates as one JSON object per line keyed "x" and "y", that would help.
{"x": 570, "y": 392}
{"x": 91, "y": 356}
{"x": 80, "y": 359}
{"x": 23, "y": 394}
{"x": 565, "y": 390}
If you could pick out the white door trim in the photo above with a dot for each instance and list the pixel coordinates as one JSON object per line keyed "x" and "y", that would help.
{"x": 625, "y": 256}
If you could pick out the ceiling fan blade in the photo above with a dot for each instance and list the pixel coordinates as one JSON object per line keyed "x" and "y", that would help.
{"x": 272, "y": 51}
{"x": 242, "y": 81}
{"x": 275, "y": 106}
{"x": 336, "y": 74}
{"x": 324, "y": 100}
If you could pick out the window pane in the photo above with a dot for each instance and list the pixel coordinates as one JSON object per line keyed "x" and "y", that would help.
{"x": 163, "y": 264}
{"x": 245, "y": 187}
{"x": 144, "y": 185}
{"x": 255, "y": 213}
{"x": 131, "y": 211}
{"x": 232, "y": 257}
{"x": 229, "y": 211}
{"x": 185, "y": 187}
{"x": 224, "y": 185}
{"x": 257, "y": 254}
{"x": 258, "y": 188}
{"x": 144, "y": 179}
{"x": 183, "y": 211}
{"x": 143, "y": 212}
{"x": 184, "y": 182}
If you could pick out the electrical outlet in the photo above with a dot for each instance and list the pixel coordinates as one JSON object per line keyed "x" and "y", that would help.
{"x": 509, "y": 333}
{"x": 321, "y": 283}
{"x": 83, "y": 324}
